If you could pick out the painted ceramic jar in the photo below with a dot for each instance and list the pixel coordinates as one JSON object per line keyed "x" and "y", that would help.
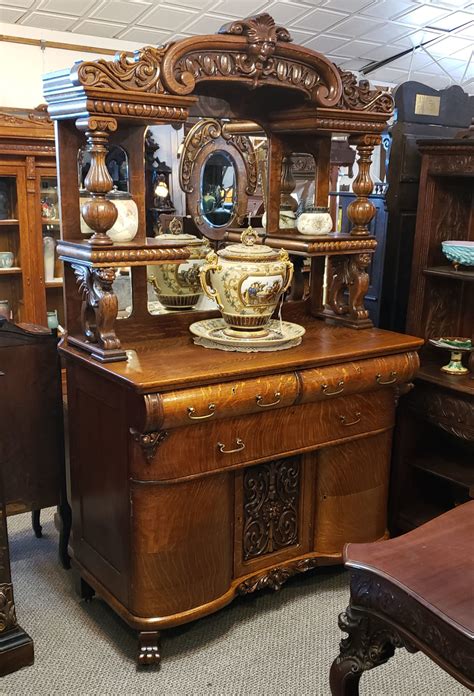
{"x": 247, "y": 280}
{"x": 314, "y": 221}
{"x": 125, "y": 227}
{"x": 178, "y": 285}
{"x": 287, "y": 219}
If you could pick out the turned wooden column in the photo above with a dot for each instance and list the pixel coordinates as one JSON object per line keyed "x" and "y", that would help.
{"x": 361, "y": 211}
{"x": 98, "y": 212}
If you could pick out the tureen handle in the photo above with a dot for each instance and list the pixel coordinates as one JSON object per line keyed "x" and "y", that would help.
{"x": 212, "y": 265}
{"x": 289, "y": 269}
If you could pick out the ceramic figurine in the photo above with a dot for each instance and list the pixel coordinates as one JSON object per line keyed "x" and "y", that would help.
{"x": 177, "y": 285}
{"x": 6, "y": 259}
{"x": 247, "y": 280}
{"x": 314, "y": 221}
{"x": 48, "y": 251}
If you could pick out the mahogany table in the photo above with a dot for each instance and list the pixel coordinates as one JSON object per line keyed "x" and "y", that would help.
{"x": 416, "y": 592}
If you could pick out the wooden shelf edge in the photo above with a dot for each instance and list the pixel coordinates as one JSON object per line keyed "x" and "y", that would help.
{"x": 54, "y": 283}
{"x": 9, "y": 221}
{"x": 13, "y": 270}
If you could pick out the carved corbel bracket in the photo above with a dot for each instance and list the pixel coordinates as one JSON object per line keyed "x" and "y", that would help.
{"x": 361, "y": 211}
{"x": 99, "y": 309}
{"x": 149, "y": 442}
{"x": 348, "y": 285}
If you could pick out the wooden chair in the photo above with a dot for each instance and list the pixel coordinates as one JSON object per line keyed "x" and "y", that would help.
{"x": 416, "y": 592}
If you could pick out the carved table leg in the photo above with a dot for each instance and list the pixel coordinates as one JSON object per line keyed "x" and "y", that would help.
{"x": 148, "y": 649}
{"x": 35, "y": 523}
{"x": 370, "y": 643}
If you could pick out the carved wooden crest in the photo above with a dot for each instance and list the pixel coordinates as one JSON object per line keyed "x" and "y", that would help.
{"x": 359, "y": 96}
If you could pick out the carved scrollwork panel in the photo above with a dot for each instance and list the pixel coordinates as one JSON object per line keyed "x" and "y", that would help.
{"x": 453, "y": 414}
{"x": 99, "y": 306}
{"x": 276, "y": 577}
{"x": 270, "y": 507}
{"x": 359, "y": 95}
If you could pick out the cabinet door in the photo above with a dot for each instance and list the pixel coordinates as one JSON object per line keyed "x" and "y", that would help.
{"x": 53, "y": 271}
{"x": 351, "y": 493}
{"x": 14, "y": 266}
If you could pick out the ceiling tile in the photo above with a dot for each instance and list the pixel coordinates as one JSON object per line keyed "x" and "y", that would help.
{"x": 284, "y": 12}
{"x": 347, "y": 5}
{"x": 387, "y": 8}
{"x": 145, "y": 36}
{"x": 422, "y": 16}
{"x": 382, "y": 52}
{"x": 356, "y": 49}
{"x": 301, "y": 37}
{"x": 121, "y": 10}
{"x": 206, "y": 24}
{"x": 354, "y": 64}
{"x": 325, "y": 44}
{"x": 452, "y": 21}
{"x": 388, "y": 32}
{"x": 449, "y": 45}
{"x": 319, "y": 20}
{"x": 242, "y": 8}
{"x": 9, "y": 15}
{"x": 467, "y": 32}
{"x": 197, "y": 4}
{"x": 48, "y": 21}
{"x": 73, "y": 7}
{"x": 98, "y": 28}
{"x": 416, "y": 38}
{"x": 357, "y": 26}
{"x": 164, "y": 17}
{"x": 20, "y": 3}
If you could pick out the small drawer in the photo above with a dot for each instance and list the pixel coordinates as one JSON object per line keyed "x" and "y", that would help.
{"x": 219, "y": 445}
{"x": 213, "y": 402}
{"x": 320, "y": 384}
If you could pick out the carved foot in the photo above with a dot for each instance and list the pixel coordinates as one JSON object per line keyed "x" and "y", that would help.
{"x": 83, "y": 589}
{"x": 35, "y": 523}
{"x": 369, "y": 643}
{"x": 148, "y": 649}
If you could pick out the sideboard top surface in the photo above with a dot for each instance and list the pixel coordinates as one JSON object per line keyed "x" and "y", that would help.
{"x": 176, "y": 362}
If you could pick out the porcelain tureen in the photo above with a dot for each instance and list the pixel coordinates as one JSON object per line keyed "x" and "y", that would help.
{"x": 247, "y": 280}
{"x": 177, "y": 285}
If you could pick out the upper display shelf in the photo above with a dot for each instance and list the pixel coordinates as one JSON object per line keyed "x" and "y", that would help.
{"x": 251, "y": 63}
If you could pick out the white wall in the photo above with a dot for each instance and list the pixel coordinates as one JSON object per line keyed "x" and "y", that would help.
{"x": 23, "y": 65}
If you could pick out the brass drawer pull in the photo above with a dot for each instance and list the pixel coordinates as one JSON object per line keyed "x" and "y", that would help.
{"x": 339, "y": 390}
{"x": 192, "y": 411}
{"x": 238, "y": 441}
{"x": 259, "y": 400}
{"x": 391, "y": 380}
{"x": 354, "y": 422}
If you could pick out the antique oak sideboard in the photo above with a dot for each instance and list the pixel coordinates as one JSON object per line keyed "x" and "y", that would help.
{"x": 199, "y": 475}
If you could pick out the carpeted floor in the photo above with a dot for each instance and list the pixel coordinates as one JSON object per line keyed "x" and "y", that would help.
{"x": 273, "y": 643}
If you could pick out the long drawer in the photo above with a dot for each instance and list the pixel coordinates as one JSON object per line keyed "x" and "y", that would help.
{"x": 195, "y": 450}
{"x": 210, "y": 403}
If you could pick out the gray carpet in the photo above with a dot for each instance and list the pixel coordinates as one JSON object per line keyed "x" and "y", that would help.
{"x": 273, "y": 643}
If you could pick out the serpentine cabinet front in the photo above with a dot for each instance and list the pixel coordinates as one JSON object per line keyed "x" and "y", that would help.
{"x": 184, "y": 499}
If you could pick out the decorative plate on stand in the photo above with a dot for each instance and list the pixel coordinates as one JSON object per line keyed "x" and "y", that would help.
{"x": 281, "y": 335}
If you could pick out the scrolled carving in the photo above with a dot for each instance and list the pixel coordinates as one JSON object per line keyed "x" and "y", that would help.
{"x": 453, "y": 414}
{"x": 139, "y": 72}
{"x": 358, "y": 284}
{"x": 359, "y": 95}
{"x": 276, "y": 577}
{"x": 262, "y": 35}
{"x": 338, "y": 283}
{"x": 99, "y": 306}
{"x": 7, "y": 608}
{"x": 149, "y": 442}
{"x": 270, "y": 507}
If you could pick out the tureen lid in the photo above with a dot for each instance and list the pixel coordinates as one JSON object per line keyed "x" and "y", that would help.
{"x": 248, "y": 250}
{"x": 115, "y": 194}
{"x": 176, "y": 232}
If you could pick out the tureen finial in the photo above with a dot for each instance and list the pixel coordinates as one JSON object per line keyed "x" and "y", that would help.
{"x": 176, "y": 226}
{"x": 249, "y": 236}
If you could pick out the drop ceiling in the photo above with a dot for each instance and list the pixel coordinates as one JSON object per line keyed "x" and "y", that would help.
{"x": 376, "y": 37}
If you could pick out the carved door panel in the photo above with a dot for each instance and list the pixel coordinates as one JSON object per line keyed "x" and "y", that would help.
{"x": 273, "y": 512}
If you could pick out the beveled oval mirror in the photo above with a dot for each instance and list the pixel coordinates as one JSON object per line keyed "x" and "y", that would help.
{"x": 218, "y": 172}
{"x": 218, "y": 194}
